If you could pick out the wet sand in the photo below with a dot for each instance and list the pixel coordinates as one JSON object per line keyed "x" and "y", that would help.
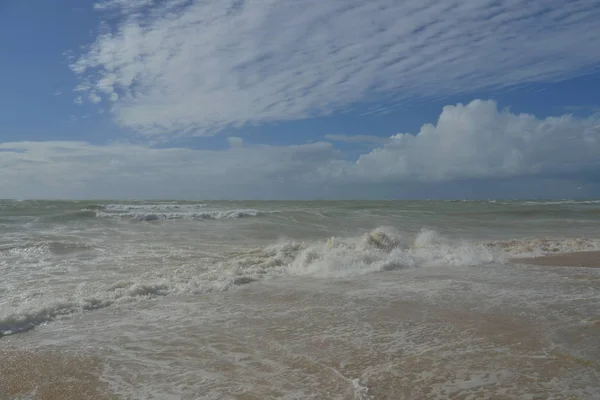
{"x": 48, "y": 375}
{"x": 588, "y": 259}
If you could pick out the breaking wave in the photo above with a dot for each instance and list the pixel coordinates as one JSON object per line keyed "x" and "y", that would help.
{"x": 380, "y": 250}
{"x": 28, "y": 318}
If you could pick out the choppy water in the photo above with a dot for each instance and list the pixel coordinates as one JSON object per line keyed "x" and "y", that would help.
{"x": 297, "y": 300}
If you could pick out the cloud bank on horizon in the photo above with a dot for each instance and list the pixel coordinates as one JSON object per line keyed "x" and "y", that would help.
{"x": 172, "y": 68}
{"x": 472, "y": 141}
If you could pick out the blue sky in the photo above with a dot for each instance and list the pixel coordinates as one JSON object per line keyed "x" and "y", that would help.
{"x": 299, "y": 99}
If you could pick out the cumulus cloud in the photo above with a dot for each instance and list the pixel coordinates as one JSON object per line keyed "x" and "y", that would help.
{"x": 479, "y": 141}
{"x": 467, "y": 142}
{"x": 200, "y": 66}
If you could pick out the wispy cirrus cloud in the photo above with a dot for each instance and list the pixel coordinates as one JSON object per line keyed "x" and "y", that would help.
{"x": 199, "y": 66}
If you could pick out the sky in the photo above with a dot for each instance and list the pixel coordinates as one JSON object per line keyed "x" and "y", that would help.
{"x": 299, "y": 99}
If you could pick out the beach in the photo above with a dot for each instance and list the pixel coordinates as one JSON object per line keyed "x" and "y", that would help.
{"x": 297, "y": 300}
{"x": 588, "y": 259}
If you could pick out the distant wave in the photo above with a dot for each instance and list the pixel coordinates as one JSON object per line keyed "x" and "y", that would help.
{"x": 158, "y": 216}
{"x": 559, "y": 202}
{"x": 152, "y": 207}
{"x": 169, "y": 211}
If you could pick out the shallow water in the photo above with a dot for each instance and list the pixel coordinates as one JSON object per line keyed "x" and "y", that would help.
{"x": 313, "y": 300}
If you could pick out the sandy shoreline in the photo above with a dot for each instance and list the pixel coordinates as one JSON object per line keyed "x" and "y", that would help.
{"x": 588, "y": 259}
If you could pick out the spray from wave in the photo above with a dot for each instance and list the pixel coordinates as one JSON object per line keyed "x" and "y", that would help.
{"x": 383, "y": 249}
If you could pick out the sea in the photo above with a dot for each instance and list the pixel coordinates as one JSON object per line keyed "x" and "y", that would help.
{"x": 297, "y": 300}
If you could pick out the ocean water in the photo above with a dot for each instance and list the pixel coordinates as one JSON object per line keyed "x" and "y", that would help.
{"x": 297, "y": 300}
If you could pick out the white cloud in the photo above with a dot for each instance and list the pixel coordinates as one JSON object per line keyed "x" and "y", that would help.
{"x": 467, "y": 142}
{"x": 235, "y": 141}
{"x": 94, "y": 98}
{"x": 199, "y": 66}
{"x": 479, "y": 141}
{"x": 79, "y": 169}
{"x": 82, "y": 88}
{"x": 357, "y": 138}
{"x": 78, "y": 100}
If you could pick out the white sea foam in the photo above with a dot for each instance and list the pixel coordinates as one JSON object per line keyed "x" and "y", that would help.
{"x": 385, "y": 249}
{"x": 28, "y": 317}
{"x": 24, "y": 249}
{"x": 39, "y": 248}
